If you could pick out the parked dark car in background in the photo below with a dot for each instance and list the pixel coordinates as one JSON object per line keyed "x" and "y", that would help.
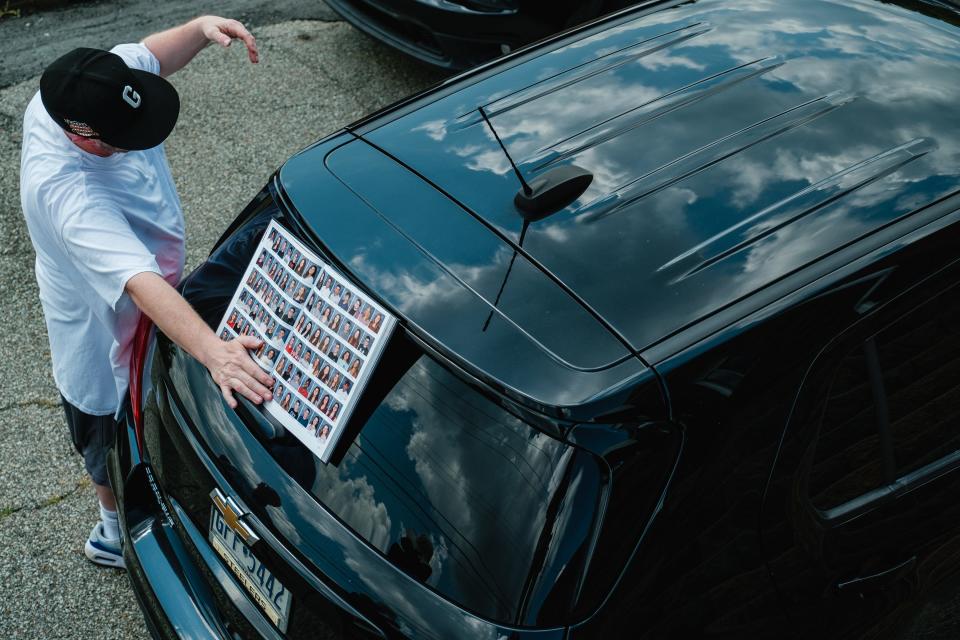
{"x": 459, "y": 34}
{"x": 706, "y": 386}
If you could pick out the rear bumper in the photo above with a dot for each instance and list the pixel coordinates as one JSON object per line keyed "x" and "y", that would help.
{"x": 161, "y": 547}
{"x": 452, "y": 39}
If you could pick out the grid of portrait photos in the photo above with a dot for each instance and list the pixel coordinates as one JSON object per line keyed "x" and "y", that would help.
{"x": 321, "y": 336}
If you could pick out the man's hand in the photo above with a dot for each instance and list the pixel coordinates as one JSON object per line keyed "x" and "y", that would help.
{"x": 223, "y": 31}
{"x": 233, "y": 370}
{"x": 174, "y": 48}
{"x": 229, "y": 363}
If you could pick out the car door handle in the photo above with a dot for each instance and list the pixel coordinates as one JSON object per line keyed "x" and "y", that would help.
{"x": 879, "y": 580}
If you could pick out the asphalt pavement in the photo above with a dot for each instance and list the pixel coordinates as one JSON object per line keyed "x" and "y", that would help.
{"x": 238, "y": 123}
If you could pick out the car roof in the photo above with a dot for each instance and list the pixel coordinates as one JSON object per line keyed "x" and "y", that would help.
{"x": 459, "y": 290}
{"x": 731, "y": 145}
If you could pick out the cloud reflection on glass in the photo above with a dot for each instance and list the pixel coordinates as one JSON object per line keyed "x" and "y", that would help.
{"x": 694, "y": 119}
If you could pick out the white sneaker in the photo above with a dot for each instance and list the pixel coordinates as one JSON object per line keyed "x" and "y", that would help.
{"x": 103, "y": 551}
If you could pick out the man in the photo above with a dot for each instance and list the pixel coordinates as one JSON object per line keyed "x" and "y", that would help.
{"x": 106, "y": 224}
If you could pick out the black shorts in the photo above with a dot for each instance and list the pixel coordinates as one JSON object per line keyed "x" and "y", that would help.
{"x": 91, "y": 436}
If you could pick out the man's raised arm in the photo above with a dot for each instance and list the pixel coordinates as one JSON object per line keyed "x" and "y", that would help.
{"x": 175, "y": 47}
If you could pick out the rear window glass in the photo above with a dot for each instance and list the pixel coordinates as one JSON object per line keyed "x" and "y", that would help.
{"x": 449, "y": 485}
{"x": 465, "y": 497}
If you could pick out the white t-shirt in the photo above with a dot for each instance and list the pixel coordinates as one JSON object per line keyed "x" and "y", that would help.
{"x": 95, "y": 223}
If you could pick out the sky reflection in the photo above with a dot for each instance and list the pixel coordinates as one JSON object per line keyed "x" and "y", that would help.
{"x": 898, "y": 68}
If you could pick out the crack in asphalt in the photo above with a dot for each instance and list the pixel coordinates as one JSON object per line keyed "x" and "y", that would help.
{"x": 16, "y": 252}
{"x": 358, "y": 97}
{"x": 43, "y": 403}
{"x": 52, "y": 501}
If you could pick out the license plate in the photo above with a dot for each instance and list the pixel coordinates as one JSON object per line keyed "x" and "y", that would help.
{"x": 258, "y": 580}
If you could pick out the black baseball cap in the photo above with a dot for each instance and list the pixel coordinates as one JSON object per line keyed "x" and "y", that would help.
{"x": 94, "y": 94}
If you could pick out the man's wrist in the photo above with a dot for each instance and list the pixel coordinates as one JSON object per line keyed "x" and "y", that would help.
{"x": 197, "y": 25}
{"x": 207, "y": 347}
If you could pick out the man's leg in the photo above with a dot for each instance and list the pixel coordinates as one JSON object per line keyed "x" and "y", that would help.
{"x": 106, "y": 497}
{"x": 92, "y": 436}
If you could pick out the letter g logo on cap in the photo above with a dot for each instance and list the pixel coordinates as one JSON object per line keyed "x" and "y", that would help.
{"x": 131, "y": 97}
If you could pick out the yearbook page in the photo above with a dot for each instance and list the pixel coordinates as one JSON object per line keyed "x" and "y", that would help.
{"x": 321, "y": 336}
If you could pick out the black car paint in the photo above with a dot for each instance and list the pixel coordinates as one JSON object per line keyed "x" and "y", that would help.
{"x": 728, "y": 553}
{"x": 526, "y": 346}
{"x": 279, "y": 472}
{"x": 740, "y": 485}
{"x": 699, "y": 220}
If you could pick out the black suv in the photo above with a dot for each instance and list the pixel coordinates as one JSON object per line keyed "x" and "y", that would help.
{"x": 677, "y": 351}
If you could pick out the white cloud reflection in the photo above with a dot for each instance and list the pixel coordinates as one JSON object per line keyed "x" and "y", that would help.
{"x": 903, "y": 70}
{"x": 485, "y": 475}
{"x": 353, "y": 500}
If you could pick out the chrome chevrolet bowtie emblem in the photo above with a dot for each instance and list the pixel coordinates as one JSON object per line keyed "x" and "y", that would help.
{"x": 231, "y": 516}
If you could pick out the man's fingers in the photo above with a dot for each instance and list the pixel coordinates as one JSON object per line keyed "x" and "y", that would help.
{"x": 252, "y": 382}
{"x": 245, "y": 391}
{"x": 237, "y": 30}
{"x": 249, "y": 342}
{"x": 252, "y": 51}
{"x": 228, "y": 396}
{"x": 216, "y": 33}
{"x": 251, "y": 43}
{"x": 256, "y": 372}
{"x": 238, "y": 371}
{"x": 243, "y": 386}
{"x": 247, "y": 364}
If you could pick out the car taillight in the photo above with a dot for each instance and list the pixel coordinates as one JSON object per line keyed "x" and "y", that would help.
{"x": 138, "y": 360}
